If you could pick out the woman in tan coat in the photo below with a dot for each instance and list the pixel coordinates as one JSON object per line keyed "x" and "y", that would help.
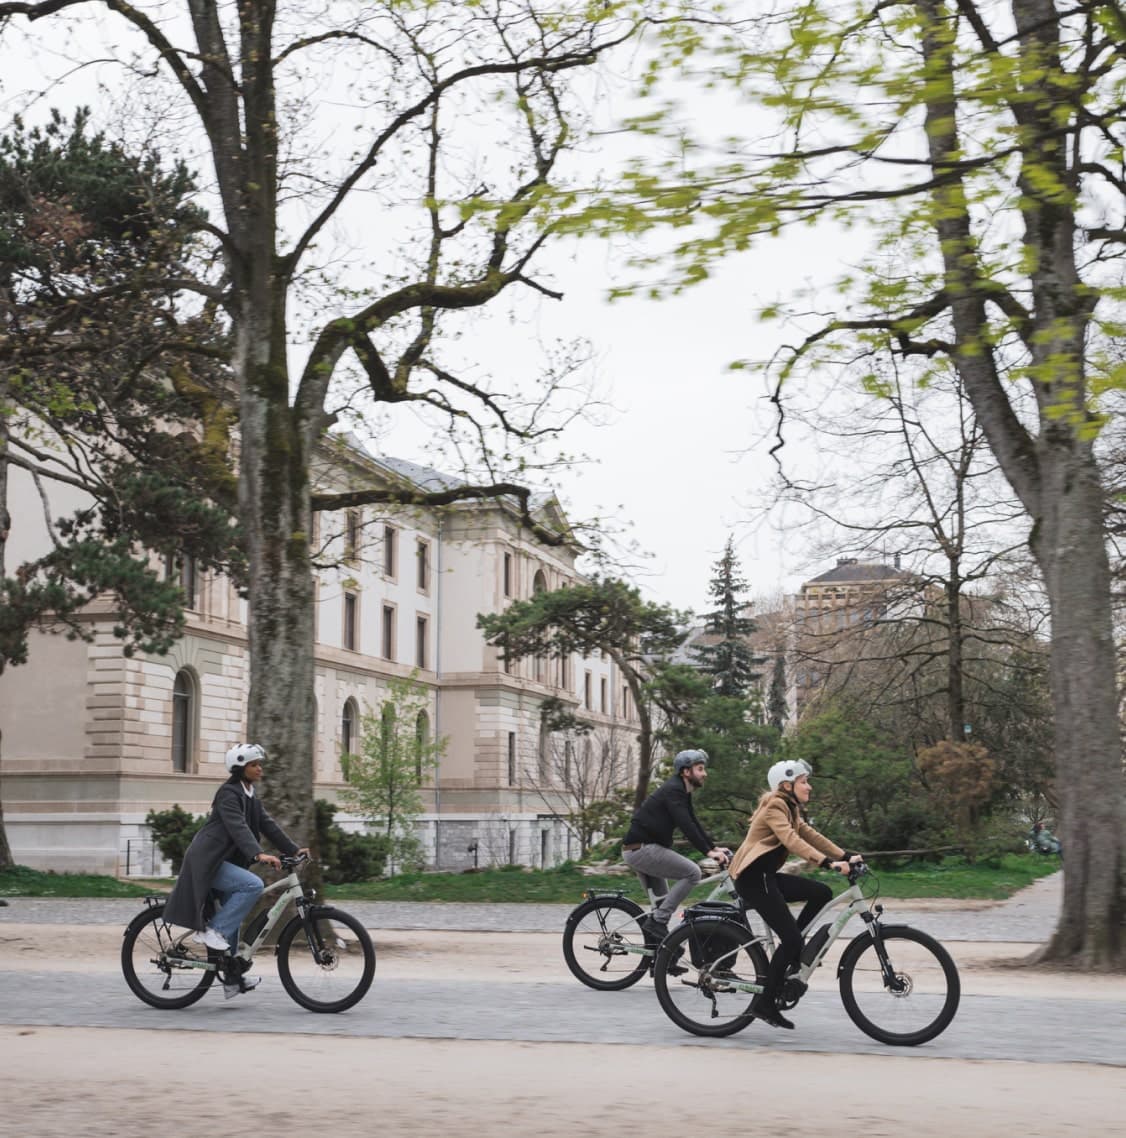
{"x": 778, "y": 829}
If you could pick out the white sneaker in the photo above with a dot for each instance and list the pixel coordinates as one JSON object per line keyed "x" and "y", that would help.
{"x": 212, "y": 939}
{"x": 237, "y": 987}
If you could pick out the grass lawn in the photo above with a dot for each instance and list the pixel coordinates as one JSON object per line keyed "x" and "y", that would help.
{"x": 993, "y": 880}
{"x": 998, "y": 879}
{"x": 23, "y": 882}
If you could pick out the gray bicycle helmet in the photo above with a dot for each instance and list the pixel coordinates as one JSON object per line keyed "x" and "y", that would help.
{"x": 686, "y": 759}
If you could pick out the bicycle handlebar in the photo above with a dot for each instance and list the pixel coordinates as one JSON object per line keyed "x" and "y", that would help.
{"x": 292, "y": 861}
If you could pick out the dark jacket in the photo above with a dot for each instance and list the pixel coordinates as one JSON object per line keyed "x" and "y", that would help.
{"x": 668, "y": 808}
{"x": 231, "y": 833}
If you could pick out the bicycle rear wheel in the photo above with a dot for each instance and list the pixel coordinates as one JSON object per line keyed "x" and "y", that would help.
{"x": 603, "y": 944}
{"x": 161, "y": 965}
{"x": 697, "y": 968}
{"x": 331, "y": 970}
{"x": 912, "y": 1002}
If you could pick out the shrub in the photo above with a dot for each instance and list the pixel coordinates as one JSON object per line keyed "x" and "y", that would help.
{"x": 347, "y": 857}
{"x": 173, "y": 830}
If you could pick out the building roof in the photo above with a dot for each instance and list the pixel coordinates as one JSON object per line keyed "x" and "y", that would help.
{"x": 851, "y": 570}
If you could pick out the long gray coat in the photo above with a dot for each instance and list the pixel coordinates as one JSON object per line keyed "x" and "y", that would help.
{"x": 230, "y": 833}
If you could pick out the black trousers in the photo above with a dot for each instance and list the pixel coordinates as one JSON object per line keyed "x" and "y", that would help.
{"x": 768, "y": 892}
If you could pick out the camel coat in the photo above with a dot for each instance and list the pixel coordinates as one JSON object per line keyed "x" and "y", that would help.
{"x": 778, "y": 823}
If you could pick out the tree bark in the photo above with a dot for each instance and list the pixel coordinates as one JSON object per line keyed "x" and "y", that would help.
{"x": 1069, "y": 547}
{"x": 6, "y": 860}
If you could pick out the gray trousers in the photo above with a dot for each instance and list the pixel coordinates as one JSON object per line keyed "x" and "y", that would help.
{"x": 660, "y": 865}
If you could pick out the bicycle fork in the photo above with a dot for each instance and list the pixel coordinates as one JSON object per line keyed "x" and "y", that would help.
{"x": 892, "y": 981}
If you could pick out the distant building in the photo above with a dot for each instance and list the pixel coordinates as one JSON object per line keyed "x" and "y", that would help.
{"x": 831, "y": 613}
{"x": 93, "y": 740}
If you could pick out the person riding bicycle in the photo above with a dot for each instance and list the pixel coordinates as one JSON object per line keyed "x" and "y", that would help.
{"x": 647, "y": 846}
{"x": 777, "y": 829}
{"x": 217, "y": 859}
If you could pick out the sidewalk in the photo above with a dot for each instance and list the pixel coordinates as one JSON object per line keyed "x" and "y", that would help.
{"x": 1029, "y": 917}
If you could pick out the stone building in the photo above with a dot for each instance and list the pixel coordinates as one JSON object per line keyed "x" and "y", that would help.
{"x": 93, "y": 740}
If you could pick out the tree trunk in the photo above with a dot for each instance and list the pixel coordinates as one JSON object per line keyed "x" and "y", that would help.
{"x": 276, "y": 518}
{"x": 955, "y": 700}
{"x": 5, "y": 525}
{"x": 1069, "y": 547}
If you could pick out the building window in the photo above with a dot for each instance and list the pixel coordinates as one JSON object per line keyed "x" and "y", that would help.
{"x": 422, "y": 626}
{"x": 184, "y": 570}
{"x": 390, "y": 536}
{"x": 351, "y": 535}
{"x": 602, "y": 695}
{"x": 387, "y": 644}
{"x": 512, "y": 758}
{"x": 351, "y": 632}
{"x": 539, "y": 582}
{"x": 508, "y": 574}
{"x": 625, "y": 702}
{"x": 183, "y": 721}
{"x": 421, "y": 742}
{"x": 349, "y": 721}
{"x": 387, "y": 727}
{"x": 422, "y": 564}
{"x": 586, "y": 691}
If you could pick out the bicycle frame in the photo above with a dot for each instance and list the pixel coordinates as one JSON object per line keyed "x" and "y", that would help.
{"x": 290, "y": 889}
{"x": 852, "y": 902}
{"x": 724, "y": 886}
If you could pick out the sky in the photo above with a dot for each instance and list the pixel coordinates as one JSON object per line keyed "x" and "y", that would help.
{"x": 679, "y": 455}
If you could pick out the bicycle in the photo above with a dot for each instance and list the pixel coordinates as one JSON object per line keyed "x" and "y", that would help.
{"x": 898, "y": 985}
{"x": 606, "y": 925}
{"x": 326, "y": 960}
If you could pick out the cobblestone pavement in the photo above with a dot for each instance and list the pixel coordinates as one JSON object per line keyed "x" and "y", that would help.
{"x": 1029, "y": 917}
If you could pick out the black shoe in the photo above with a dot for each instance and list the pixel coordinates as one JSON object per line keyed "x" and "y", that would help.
{"x": 764, "y": 1009}
{"x": 675, "y": 968}
{"x": 655, "y": 931}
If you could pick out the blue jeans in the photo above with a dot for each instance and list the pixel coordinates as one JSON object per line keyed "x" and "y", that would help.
{"x": 237, "y": 890}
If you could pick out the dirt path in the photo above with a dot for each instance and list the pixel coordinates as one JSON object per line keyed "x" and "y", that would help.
{"x": 84, "y": 1083}
{"x": 105, "y": 1083}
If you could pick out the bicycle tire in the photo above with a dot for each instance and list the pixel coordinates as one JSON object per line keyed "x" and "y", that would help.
{"x": 336, "y": 973}
{"x": 927, "y": 1001}
{"x": 156, "y": 958}
{"x": 712, "y": 953}
{"x": 601, "y": 953}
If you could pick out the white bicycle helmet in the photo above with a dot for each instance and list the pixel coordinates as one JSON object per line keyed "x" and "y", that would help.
{"x": 242, "y": 753}
{"x": 788, "y": 770}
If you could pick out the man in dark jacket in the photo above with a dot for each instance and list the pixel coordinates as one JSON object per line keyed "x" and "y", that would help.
{"x": 217, "y": 859}
{"x": 647, "y": 846}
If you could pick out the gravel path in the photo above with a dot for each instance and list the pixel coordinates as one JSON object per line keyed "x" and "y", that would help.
{"x": 1029, "y": 917}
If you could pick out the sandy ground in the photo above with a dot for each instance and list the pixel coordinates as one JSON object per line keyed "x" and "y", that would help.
{"x": 76, "y": 1082}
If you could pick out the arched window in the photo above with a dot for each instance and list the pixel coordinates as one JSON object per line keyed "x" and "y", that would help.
{"x": 539, "y": 582}
{"x": 184, "y": 709}
{"x": 421, "y": 741}
{"x": 387, "y": 724}
{"x": 349, "y": 724}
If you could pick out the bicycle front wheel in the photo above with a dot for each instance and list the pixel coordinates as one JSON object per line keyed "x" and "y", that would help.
{"x": 331, "y": 969}
{"x": 603, "y": 944}
{"x": 909, "y": 1001}
{"x": 697, "y": 974}
{"x": 161, "y": 964}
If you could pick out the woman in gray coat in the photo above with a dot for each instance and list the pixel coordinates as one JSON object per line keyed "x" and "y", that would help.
{"x": 217, "y": 859}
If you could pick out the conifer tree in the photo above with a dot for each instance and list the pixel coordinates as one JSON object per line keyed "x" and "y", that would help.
{"x": 730, "y": 660}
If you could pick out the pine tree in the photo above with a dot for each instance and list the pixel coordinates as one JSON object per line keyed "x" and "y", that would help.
{"x": 730, "y": 660}
{"x": 777, "y": 709}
